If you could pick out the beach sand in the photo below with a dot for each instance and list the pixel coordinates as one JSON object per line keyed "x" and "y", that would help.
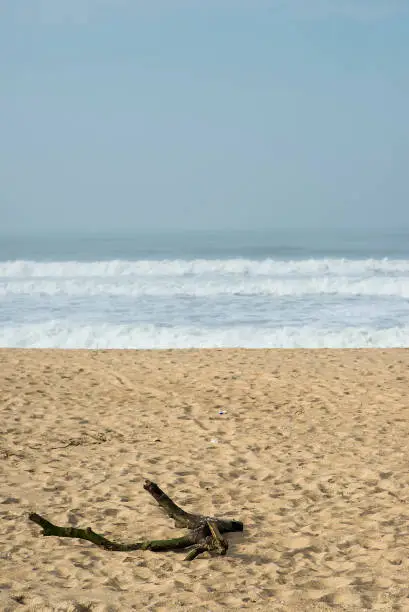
{"x": 311, "y": 453}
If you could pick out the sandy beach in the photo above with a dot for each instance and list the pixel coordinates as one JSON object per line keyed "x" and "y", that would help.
{"x": 311, "y": 453}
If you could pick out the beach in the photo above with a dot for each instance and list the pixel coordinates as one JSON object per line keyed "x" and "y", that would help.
{"x": 309, "y": 448}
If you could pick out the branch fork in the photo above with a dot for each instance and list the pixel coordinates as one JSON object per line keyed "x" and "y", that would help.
{"x": 204, "y": 535}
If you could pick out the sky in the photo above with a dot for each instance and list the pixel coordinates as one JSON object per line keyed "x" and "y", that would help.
{"x": 203, "y": 114}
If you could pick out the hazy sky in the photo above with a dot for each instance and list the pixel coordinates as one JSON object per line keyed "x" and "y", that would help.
{"x": 127, "y": 114}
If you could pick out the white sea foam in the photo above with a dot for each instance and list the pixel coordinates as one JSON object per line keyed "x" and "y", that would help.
{"x": 207, "y": 278}
{"x": 205, "y": 303}
{"x": 201, "y": 287}
{"x": 57, "y": 334}
{"x": 181, "y": 267}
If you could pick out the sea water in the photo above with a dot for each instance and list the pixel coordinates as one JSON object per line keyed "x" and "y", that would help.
{"x": 205, "y": 289}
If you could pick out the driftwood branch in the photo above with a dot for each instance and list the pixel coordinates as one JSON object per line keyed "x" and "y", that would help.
{"x": 205, "y": 533}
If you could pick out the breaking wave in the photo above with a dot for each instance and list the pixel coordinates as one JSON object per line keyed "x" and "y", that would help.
{"x": 205, "y": 303}
{"x": 57, "y": 334}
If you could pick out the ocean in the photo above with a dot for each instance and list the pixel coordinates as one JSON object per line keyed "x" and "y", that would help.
{"x": 287, "y": 289}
